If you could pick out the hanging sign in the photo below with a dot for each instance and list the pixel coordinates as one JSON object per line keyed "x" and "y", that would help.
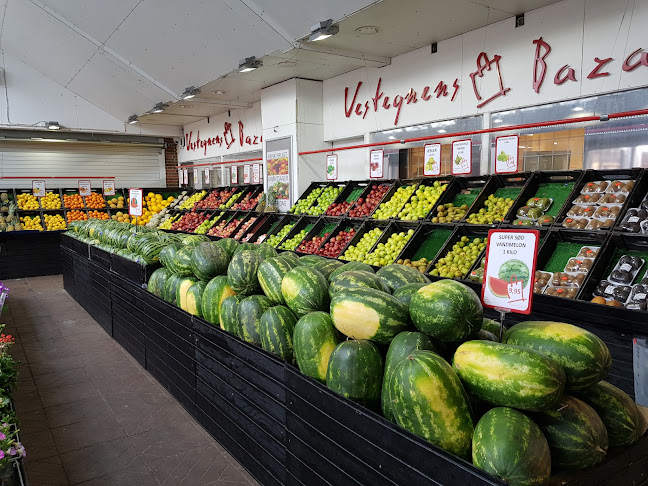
{"x": 509, "y": 270}
{"x": 135, "y": 197}
{"x": 185, "y": 176}
{"x": 246, "y": 174}
{"x": 108, "y": 187}
{"x": 432, "y": 159}
{"x": 85, "y": 189}
{"x": 179, "y": 177}
{"x": 376, "y": 164}
{"x": 506, "y": 154}
{"x": 256, "y": 174}
{"x": 234, "y": 174}
{"x": 196, "y": 176}
{"x": 207, "y": 176}
{"x": 331, "y": 167}
{"x": 38, "y": 188}
{"x": 461, "y": 157}
{"x": 278, "y": 162}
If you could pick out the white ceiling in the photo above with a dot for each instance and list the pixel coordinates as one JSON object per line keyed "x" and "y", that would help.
{"x": 124, "y": 56}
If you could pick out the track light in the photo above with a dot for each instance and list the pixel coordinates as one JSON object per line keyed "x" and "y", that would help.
{"x": 160, "y": 107}
{"x": 133, "y": 119}
{"x": 323, "y": 30}
{"x": 190, "y": 92}
{"x": 53, "y": 125}
{"x": 249, "y": 64}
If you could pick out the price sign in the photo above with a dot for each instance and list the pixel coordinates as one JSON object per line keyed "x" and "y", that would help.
{"x": 376, "y": 164}
{"x": 196, "y": 176}
{"x": 461, "y": 157}
{"x": 185, "y": 175}
{"x": 331, "y": 167}
{"x": 506, "y": 154}
{"x": 510, "y": 269}
{"x": 135, "y": 198}
{"x": 246, "y": 174}
{"x": 85, "y": 188}
{"x": 179, "y": 177}
{"x": 207, "y": 176}
{"x": 38, "y": 188}
{"x": 109, "y": 187}
{"x": 256, "y": 174}
{"x": 432, "y": 160}
{"x": 234, "y": 174}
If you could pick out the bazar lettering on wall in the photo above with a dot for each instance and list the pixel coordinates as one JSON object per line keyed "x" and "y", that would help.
{"x": 545, "y": 61}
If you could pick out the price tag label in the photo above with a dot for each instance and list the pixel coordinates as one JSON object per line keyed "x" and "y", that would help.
{"x": 331, "y": 167}
{"x": 135, "y": 198}
{"x": 376, "y": 164}
{"x": 234, "y": 174}
{"x": 432, "y": 160}
{"x": 256, "y": 174}
{"x": 506, "y": 154}
{"x": 207, "y": 176}
{"x": 109, "y": 187}
{"x": 461, "y": 157}
{"x": 38, "y": 188}
{"x": 85, "y": 189}
{"x": 196, "y": 176}
{"x": 246, "y": 174}
{"x": 185, "y": 176}
{"x": 180, "y": 181}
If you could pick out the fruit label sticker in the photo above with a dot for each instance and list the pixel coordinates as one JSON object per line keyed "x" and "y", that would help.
{"x": 185, "y": 176}
{"x": 461, "y": 157}
{"x": 207, "y": 176}
{"x": 135, "y": 197}
{"x": 256, "y": 174}
{"x": 196, "y": 176}
{"x": 376, "y": 164}
{"x": 234, "y": 174}
{"x": 85, "y": 189}
{"x": 108, "y": 188}
{"x": 509, "y": 269}
{"x": 432, "y": 160}
{"x": 38, "y": 188}
{"x": 246, "y": 174}
{"x": 331, "y": 167}
{"x": 506, "y": 154}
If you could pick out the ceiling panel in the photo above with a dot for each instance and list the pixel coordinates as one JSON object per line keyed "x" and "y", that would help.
{"x": 164, "y": 119}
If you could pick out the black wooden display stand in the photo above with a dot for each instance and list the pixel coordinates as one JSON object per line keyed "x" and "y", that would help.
{"x": 30, "y": 254}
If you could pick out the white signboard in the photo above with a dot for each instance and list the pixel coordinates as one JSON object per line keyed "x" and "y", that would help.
{"x": 185, "y": 175}
{"x": 195, "y": 176}
{"x": 246, "y": 174}
{"x": 256, "y": 174}
{"x": 331, "y": 167}
{"x": 234, "y": 174}
{"x": 109, "y": 187}
{"x": 85, "y": 188}
{"x": 180, "y": 179}
{"x": 207, "y": 176}
{"x": 432, "y": 160}
{"x": 278, "y": 167}
{"x": 461, "y": 157}
{"x": 38, "y": 188}
{"x": 376, "y": 164}
{"x": 135, "y": 198}
{"x": 506, "y": 154}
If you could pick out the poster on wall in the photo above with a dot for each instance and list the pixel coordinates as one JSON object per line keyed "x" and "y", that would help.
{"x": 278, "y": 163}
{"x": 207, "y": 176}
{"x": 461, "y": 157}
{"x": 185, "y": 176}
{"x": 432, "y": 159}
{"x": 85, "y": 189}
{"x": 108, "y": 187}
{"x": 256, "y": 174}
{"x": 135, "y": 197}
{"x": 234, "y": 174}
{"x": 331, "y": 167}
{"x": 246, "y": 174}
{"x": 38, "y": 188}
{"x": 506, "y": 154}
{"x": 376, "y": 164}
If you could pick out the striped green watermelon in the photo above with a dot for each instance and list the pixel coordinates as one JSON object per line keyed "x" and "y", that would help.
{"x": 447, "y": 310}
{"x": 310, "y": 260}
{"x": 248, "y": 314}
{"x": 355, "y": 371}
{"x": 242, "y": 247}
{"x": 347, "y": 267}
{"x": 576, "y": 435}
{"x": 209, "y": 260}
{"x": 623, "y": 421}
{"x": 368, "y": 314}
{"x": 510, "y": 446}
{"x": 171, "y": 287}
{"x": 229, "y": 245}
{"x": 584, "y": 357}
{"x": 182, "y": 262}
{"x": 216, "y": 291}
{"x": 314, "y": 339}
{"x": 395, "y": 276}
{"x": 509, "y": 376}
{"x": 428, "y": 400}
{"x": 491, "y": 326}
{"x": 227, "y": 317}
{"x": 242, "y": 272}
{"x": 356, "y": 280}
{"x": 290, "y": 256}
{"x": 484, "y": 335}
{"x": 276, "y": 329}
{"x": 400, "y": 348}
{"x": 192, "y": 240}
{"x": 327, "y": 267}
{"x": 405, "y": 293}
{"x": 193, "y": 303}
{"x": 168, "y": 254}
{"x": 158, "y": 280}
{"x": 182, "y": 290}
{"x": 305, "y": 290}
{"x": 270, "y": 274}
{"x": 265, "y": 250}
{"x": 150, "y": 252}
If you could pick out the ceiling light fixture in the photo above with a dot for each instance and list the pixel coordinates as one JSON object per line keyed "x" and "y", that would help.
{"x": 323, "y": 30}
{"x": 186, "y": 106}
{"x": 53, "y": 125}
{"x": 159, "y": 107}
{"x": 497, "y": 120}
{"x": 133, "y": 119}
{"x": 367, "y": 30}
{"x": 219, "y": 92}
{"x": 441, "y": 131}
{"x": 190, "y": 92}
{"x": 249, "y": 64}
{"x": 578, "y": 108}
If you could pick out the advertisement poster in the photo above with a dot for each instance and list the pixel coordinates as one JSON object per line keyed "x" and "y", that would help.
{"x": 234, "y": 174}
{"x": 376, "y": 164}
{"x": 331, "y": 167}
{"x": 432, "y": 160}
{"x": 85, "y": 189}
{"x": 207, "y": 176}
{"x": 109, "y": 188}
{"x": 256, "y": 174}
{"x": 506, "y": 154}
{"x": 38, "y": 188}
{"x": 246, "y": 174}
{"x": 185, "y": 175}
{"x": 196, "y": 176}
{"x": 461, "y": 157}
{"x": 278, "y": 162}
{"x": 135, "y": 197}
{"x": 509, "y": 270}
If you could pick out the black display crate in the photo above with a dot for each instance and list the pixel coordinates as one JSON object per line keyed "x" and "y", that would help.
{"x": 135, "y": 272}
{"x": 262, "y": 226}
{"x": 67, "y": 267}
{"x": 418, "y": 239}
{"x": 397, "y": 184}
{"x": 349, "y": 187}
{"x": 247, "y": 216}
{"x": 370, "y": 185}
{"x": 344, "y": 225}
{"x": 306, "y": 193}
{"x": 320, "y": 224}
{"x": 30, "y": 253}
{"x": 272, "y": 230}
{"x": 471, "y": 231}
{"x": 367, "y": 226}
{"x": 458, "y": 186}
{"x": 392, "y": 228}
{"x": 100, "y": 257}
{"x": 638, "y": 194}
{"x": 429, "y": 181}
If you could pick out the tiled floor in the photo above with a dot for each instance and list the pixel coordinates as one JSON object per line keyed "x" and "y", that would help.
{"x": 91, "y": 415}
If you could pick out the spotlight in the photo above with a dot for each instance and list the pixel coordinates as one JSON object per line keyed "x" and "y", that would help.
{"x": 190, "y": 92}
{"x": 249, "y": 64}
{"x": 133, "y": 119}
{"x": 323, "y": 30}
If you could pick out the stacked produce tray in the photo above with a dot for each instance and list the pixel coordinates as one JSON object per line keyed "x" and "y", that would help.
{"x": 277, "y": 233}
{"x": 266, "y": 224}
{"x": 405, "y": 232}
{"x": 365, "y": 209}
{"x": 350, "y": 194}
{"x": 301, "y": 202}
{"x": 467, "y": 233}
{"x": 402, "y": 185}
{"x": 438, "y": 186}
{"x": 378, "y": 226}
{"x": 344, "y": 231}
{"x": 321, "y": 230}
{"x": 298, "y": 232}
{"x": 426, "y": 244}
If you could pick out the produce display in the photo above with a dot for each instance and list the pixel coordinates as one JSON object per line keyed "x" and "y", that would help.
{"x": 54, "y": 222}
{"x": 328, "y": 195}
{"x": 248, "y": 203}
{"x": 496, "y": 207}
{"x": 215, "y": 198}
{"x": 422, "y": 201}
{"x": 27, "y": 202}
{"x": 189, "y": 222}
{"x": 73, "y": 201}
{"x": 95, "y": 201}
{"x": 98, "y": 214}
{"x": 122, "y": 217}
{"x": 167, "y": 223}
{"x": 566, "y": 270}
{"x": 226, "y": 230}
{"x": 449, "y": 213}
{"x": 363, "y": 207}
{"x": 626, "y": 281}
{"x": 386, "y": 253}
{"x": 189, "y": 202}
{"x": 367, "y": 241}
{"x": 30, "y": 223}
{"x": 544, "y": 205}
{"x": 116, "y": 202}
{"x": 76, "y": 215}
{"x": 334, "y": 247}
{"x": 392, "y": 207}
{"x": 293, "y": 243}
{"x": 206, "y": 225}
{"x": 154, "y": 204}
{"x": 341, "y": 208}
{"x": 274, "y": 240}
{"x": 51, "y": 201}
{"x": 10, "y": 222}
{"x": 636, "y": 219}
{"x": 456, "y": 263}
{"x": 598, "y": 205}
{"x": 304, "y": 203}
{"x": 244, "y": 227}
{"x": 230, "y": 201}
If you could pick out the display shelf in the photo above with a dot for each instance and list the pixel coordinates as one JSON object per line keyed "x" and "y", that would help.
{"x": 469, "y": 231}
{"x": 305, "y": 194}
{"x": 397, "y": 184}
{"x": 392, "y": 228}
{"x": 350, "y": 194}
{"x": 249, "y": 220}
{"x": 251, "y": 192}
{"x": 427, "y": 182}
{"x": 71, "y": 192}
{"x": 305, "y": 223}
{"x": 325, "y": 224}
{"x": 502, "y": 186}
{"x": 345, "y": 224}
{"x": 388, "y": 183}
{"x": 367, "y": 226}
{"x": 427, "y": 242}
{"x": 639, "y": 193}
{"x": 266, "y": 224}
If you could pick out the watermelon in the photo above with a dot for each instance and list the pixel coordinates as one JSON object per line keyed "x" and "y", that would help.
{"x": 428, "y": 400}
{"x": 305, "y": 290}
{"x": 405, "y": 292}
{"x": 576, "y": 435}
{"x": 182, "y": 290}
{"x": 168, "y": 254}
{"x": 270, "y": 274}
{"x": 157, "y": 280}
{"x": 484, "y": 335}
{"x": 622, "y": 419}
{"x": 400, "y": 348}
{"x": 347, "y": 267}
{"x": 229, "y": 245}
{"x": 192, "y": 240}
{"x": 276, "y": 330}
{"x": 584, "y": 357}
{"x": 209, "y": 260}
{"x": 355, "y": 371}
{"x": 511, "y": 447}
{"x": 227, "y": 317}
{"x": 151, "y": 250}
{"x": 193, "y": 304}
{"x": 509, "y": 376}
{"x": 310, "y": 260}
{"x": 289, "y": 255}
{"x": 368, "y": 314}
{"x": 356, "y": 280}
{"x": 447, "y": 310}
{"x": 182, "y": 262}
{"x": 314, "y": 339}
{"x": 248, "y": 314}
{"x": 216, "y": 291}
{"x": 326, "y": 267}
{"x": 243, "y": 247}
{"x": 171, "y": 287}
{"x": 395, "y": 276}
{"x": 491, "y": 326}
{"x": 242, "y": 272}
{"x": 265, "y": 250}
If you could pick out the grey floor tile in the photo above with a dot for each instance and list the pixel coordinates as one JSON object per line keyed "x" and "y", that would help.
{"x": 39, "y": 444}
{"x": 98, "y": 460}
{"x": 102, "y": 428}
{"x": 85, "y": 410}
{"x": 48, "y": 471}
{"x": 67, "y": 393}
{"x": 56, "y": 379}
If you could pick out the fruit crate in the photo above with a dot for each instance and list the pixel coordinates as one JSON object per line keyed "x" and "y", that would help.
{"x": 29, "y": 212}
{"x": 350, "y": 194}
{"x": 504, "y": 186}
{"x": 463, "y": 230}
{"x": 74, "y": 192}
{"x": 639, "y": 193}
{"x": 275, "y": 229}
{"x": 251, "y": 191}
{"x": 249, "y": 220}
{"x": 241, "y": 191}
{"x": 264, "y": 226}
{"x": 367, "y": 226}
{"x": 427, "y": 242}
{"x": 427, "y": 182}
{"x": 228, "y": 217}
{"x": 391, "y": 229}
{"x": 306, "y": 223}
{"x": 345, "y": 224}
{"x": 335, "y": 184}
{"x": 325, "y": 224}
{"x": 624, "y": 175}
{"x": 462, "y": 190}
{"x": 560, "y": 185}
{"x": 392, "y": 190}
{"x": 370, "y": 185}
{"x": 306, "y": 193}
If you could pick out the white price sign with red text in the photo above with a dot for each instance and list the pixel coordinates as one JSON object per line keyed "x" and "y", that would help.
{"x": 207, "y": 176}
{"x": 376, "y": 164}
{"x": 135, "y": 199}
{"x": 85, "y": 189}
{"x": 506, "y": 154}
{"x": 38, "y": 188}
{"x": 461, "y": 157}
{"x": 256, "y": 174}
{"x": 109, "y": 187}
{"x": 246, "y": 174}
{"x": 432, "y": 159}
{"x": 234, "y": 174}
